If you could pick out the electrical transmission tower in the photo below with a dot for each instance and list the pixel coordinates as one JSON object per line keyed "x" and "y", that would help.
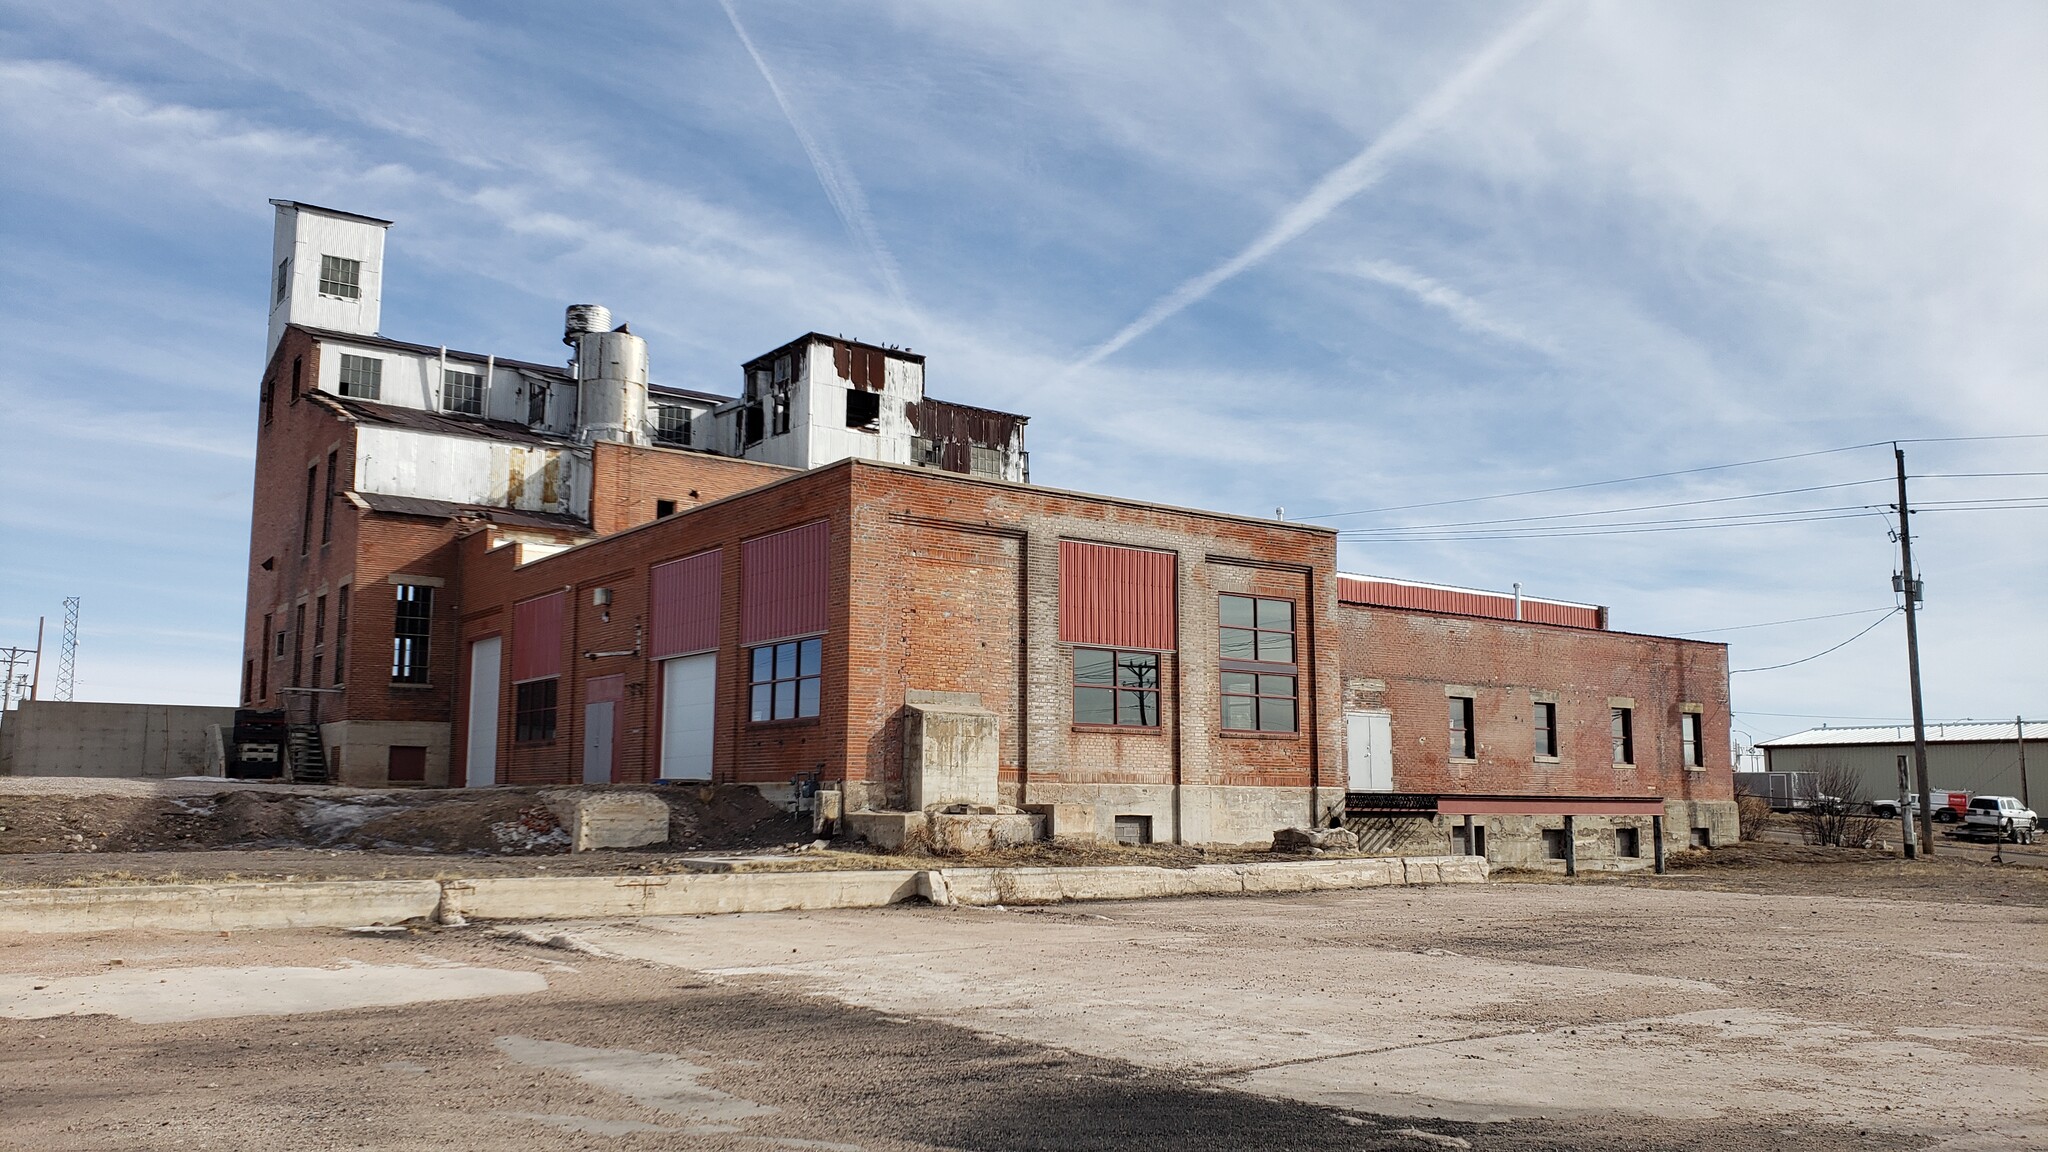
{"x": 67, "y": 652}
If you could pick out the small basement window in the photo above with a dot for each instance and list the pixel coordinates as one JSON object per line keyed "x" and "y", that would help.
{"x": 863, "y": 409}
{"x": 1553, "y": 844}
{"x": 1134, "y": 830}
{"x": 1628, "y": 843}
{"x": 1703, "y": 838}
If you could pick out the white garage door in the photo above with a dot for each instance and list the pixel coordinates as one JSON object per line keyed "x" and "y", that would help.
{"x": 689, "y": 687}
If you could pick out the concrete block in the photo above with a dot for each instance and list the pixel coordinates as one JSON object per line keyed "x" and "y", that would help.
{"x": 827, "y": 809}
{"x": 961, "y": 835}
{"x": 885, "y": 830}
{"x": 611, "y": 819}
{"x": 1327, "y": 839}
{"x": 950, "y": 755}
{"x": 1067, "y": 823}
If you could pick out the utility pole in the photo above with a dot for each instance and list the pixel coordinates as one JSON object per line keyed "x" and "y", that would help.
{"x": 1909, "y": 584}
{"x": 35, "y": 686}
{"x": 1905, "y": 811}
{"x": 2021, "y": 723}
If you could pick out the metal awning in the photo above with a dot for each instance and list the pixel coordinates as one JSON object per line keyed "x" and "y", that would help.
{"x": 1470, "y": 804}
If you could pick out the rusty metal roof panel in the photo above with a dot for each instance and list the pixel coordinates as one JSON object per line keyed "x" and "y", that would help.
{"x": 449, "y": 510}
{"x": 1377, "y": 592}
{"x": 444, "y": 423}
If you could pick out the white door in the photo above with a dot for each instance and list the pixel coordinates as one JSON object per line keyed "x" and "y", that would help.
{"x": 597, "y": 742}
{"x": 1369, "y": 737}
{"x": 688, "y": 689}
{"x": 482, "y": 757}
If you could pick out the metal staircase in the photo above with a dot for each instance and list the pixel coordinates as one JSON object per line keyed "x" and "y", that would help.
{"x": 306, "y": 756}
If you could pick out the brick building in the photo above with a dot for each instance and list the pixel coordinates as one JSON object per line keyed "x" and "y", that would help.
{"x": 476, "y": 570}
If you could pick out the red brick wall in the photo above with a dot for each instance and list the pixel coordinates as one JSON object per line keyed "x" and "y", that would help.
{"x": 626, "y": 481}
{"x": 1417, "y": 654}
{"x": 744, "y": 752}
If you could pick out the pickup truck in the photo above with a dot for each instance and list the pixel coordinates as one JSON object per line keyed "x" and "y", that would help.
{"x": 1948, "y": 806}
{"x": 2001, "y": 816}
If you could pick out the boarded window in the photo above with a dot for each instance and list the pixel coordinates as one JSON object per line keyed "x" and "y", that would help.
{"x": 537, "y": 637}
{"x": 1554, "y": 843}
{"x": 361, "y": 376}
{"x": 1463, "y": 742}
{"x": 1116, "y": 597}
{"x": 340, "y": 276}
{"x": 1621, "y": 727}
{"x": 408, "y": 764}
{"x": 1134, "y": 830}
{"x": 684, "y": 595}
{"x": 1689, "y": 739}
{"x": 1628, "y": 843}
{"x": 785, "y": 582}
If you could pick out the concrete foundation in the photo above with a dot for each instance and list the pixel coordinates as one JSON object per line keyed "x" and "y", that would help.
{"x": 613, "y": 820}
{"x": 950, "y": 747}
{"x": 86, "y": 738}
{"x": 1520, "y": 841}
{"x": 886, "y": 830}
{"x": 1191, "y": 814}
{"x": 359, "y": 751}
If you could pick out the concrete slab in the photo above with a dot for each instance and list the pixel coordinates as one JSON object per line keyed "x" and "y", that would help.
{"x": 160, "y": 995}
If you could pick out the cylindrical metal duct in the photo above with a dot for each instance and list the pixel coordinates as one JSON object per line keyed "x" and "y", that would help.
{"x": 582, "y": 318}
{"x": 611, "y": 386}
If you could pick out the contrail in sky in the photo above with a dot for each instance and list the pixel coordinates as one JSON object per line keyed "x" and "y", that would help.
{"x": 1349, "y": 179}
{"x": 833, "y": 174}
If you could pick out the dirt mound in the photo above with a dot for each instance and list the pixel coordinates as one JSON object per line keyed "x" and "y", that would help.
{"x": 487, "y": 821}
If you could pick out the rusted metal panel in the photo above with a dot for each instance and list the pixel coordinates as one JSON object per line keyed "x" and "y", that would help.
{"x": 1463, "y": 602}
{"x": 1550, "y": 806}
{"x": 684, "y": 596}
{"x": 784, "y": 581}
{"x": 537, "y": 637}
{"x": 1117, "y": 597}
{"x": 604, "y": 689}
{"x": 862, "y": 366}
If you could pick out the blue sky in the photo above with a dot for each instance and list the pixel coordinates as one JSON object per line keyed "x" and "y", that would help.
{"x": 1332, "y": 257}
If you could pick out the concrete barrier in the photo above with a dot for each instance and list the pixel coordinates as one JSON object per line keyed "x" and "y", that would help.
{"x": 340, "y": 904}
{"x": 217, "y": 907}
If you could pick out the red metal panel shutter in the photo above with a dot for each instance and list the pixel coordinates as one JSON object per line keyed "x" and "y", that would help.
{"x": 685, "y": 605}
{"x": 1116, "y": 597}
{"x": 784, "y": 578}
{"x": 537, "y": 637}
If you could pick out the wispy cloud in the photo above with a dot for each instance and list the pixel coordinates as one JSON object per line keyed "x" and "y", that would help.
{"x": 1463, "y": 310}
{"x": 1346, "y": 181}
{"x": 834, "y": 175}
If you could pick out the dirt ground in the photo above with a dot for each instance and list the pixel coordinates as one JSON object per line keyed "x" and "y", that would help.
{"x": 1726, "y": 1008}
{"x": 45, "y": 815}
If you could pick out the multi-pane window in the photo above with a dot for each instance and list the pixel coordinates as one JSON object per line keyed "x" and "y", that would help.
{"x": 341, "y": 277}
{"x": 1464, "y": 742}
{"x": 462, "y": 392}
{"x": 284, "y": 280}
{"x": 1117, "y": 688}
{"x": 536, "y": 404}
{"x": 533, "y": 710}
{"x": 411, "y": 631}
{"x": 786, "y": 679}
{"x": 1259, "y": 679}
{"x": 319, "y": 624}
{"x": 298, "y": 645}
{"x": 671, "y": 424}
{"x": 1546, "y": 728}
{"x": 327, "y": 511}
{"x": 1689, "y": 739}
{"x": 306, "y": 521}
{"x": 1622, "y": 727}
{"x": 361, "y": 376}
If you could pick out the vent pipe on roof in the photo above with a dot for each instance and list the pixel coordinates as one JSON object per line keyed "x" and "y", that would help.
{"x": 583, "y": 318}
{"x": 1518, "y": 599}
{"x": 611, "y": 377}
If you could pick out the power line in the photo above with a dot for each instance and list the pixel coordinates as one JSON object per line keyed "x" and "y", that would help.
{"x": 1588, "y": 530}
{"x": 1605, "y": 483}
{"x": 1818, "y": 655}
{"x": 1794, "y": 620}
{"x": 1633, "y": 508}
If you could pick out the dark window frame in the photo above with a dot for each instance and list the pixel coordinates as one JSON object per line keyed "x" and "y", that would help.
{"x": 462, "y": 392}
{"x": 805, "y": 666}
{"x": 1137, "y": 691}
{"x": 863, "y": 408}
{"x": 672, "y": 424}
{"x": 298, "y": 644}
{"x": 360, "y": 377}
{"x": 1545, "y": 724}
{"x": 341, "y": 277}
{"x": 1621, "y": 731}
{"x": 1462, "y": 737}
{"x": 412, "y": 633}
{"x": 340, "y": 633}
{"x": 1234, "y": 693}
{"x": 306, "y": 520}
{"x": 1691, "y": 739}
{"x": 284, "y": 282}
{"x": 327, "y": 513}
{"x": 535, "y": 709}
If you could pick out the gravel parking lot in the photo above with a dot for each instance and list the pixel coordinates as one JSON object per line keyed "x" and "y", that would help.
{"x": 1681, "y": 1013}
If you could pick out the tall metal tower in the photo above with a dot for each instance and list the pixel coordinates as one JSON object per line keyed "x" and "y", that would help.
{"x": 67, "y": 652}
